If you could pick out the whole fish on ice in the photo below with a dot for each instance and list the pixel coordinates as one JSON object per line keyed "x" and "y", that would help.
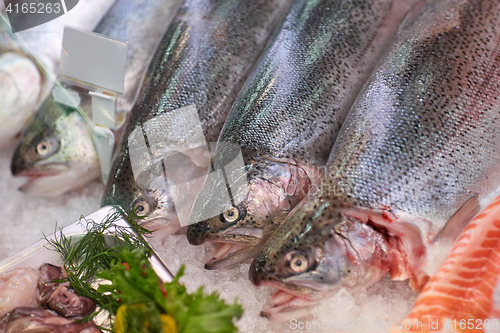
{"x": 68, "y": 159}
{"x": 196, "y": 73}
{"x": 287, "y": 118}
{"x": 25, "y": 82}
{"x": 418, "y": 150}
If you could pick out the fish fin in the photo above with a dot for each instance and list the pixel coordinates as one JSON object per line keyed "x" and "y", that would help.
{"x": 414, "y": 15}
{"x": 459, "y": 220}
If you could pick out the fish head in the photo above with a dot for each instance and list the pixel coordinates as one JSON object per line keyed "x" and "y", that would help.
{"x": 315, "y": 252}
{"x": 236, "y": 230}
{"x": 55, "y": 152}
{"x": 152, "y": 207}
{"x": 159, "y": 193}
{"x": 258, "y": 199}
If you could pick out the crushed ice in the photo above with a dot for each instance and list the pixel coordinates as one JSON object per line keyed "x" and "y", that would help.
{"x": 26, "y": 218}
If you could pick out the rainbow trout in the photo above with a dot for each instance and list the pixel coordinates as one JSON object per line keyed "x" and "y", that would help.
{"x": 416, "y": 156}
{"x": 287, "y": 118}
{"x": 199, "y": 68}
{"x": 49, "y": 153}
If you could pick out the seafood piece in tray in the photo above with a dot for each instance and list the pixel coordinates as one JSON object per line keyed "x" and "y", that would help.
{"x": 18, "y": 288}
{"x": 42, "y": 321}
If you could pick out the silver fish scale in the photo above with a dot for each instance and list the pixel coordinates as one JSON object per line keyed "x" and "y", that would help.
{"x": 203, "y": 63}
{"x": 203, "y": 59}
{"x": 423, "y": 137}
{"x": 294, "y": 104}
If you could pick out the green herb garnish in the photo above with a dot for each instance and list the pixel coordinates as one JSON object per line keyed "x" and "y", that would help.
{"x": 100, "y": 244}
{"x": 136, "y": 299}
{"x": 136, "y": 286}
{"x": 96, "y": 250}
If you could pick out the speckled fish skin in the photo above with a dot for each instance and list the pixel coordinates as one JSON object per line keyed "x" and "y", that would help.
{"x": 203, "y": 60}
{"x": 288, "y": 115}
{"x": 125, "y": 21}
{"x": 419, "y": 143}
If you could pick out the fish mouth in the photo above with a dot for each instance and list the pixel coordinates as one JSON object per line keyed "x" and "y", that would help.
{"x": 161, "y": 227}
{"x": 34, "y": 174}
{"x": 34, "y": 177}
{"x": 289, "y": 304}
{"x": 59, "y": 179}
{"x": 234, "y": 247}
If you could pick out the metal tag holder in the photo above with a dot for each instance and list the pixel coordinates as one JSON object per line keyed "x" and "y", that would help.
{"x": 97, "y": 63}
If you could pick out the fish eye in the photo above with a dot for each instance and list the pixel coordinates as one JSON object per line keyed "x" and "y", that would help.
{"x": 44, "y": 148}
{"x": 299, "y": 263}
{"x": 143, "y": 207}
{"x": 231, "y": 215}
{"x": 47, "y": 146}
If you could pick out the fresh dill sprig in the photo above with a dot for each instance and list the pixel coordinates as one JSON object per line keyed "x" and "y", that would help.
{"x": 135, "y": 299}
{"x": 96, "y": 250}
{"x": 98, "y": 247}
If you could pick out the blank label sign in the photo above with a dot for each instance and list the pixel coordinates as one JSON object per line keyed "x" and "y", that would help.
{"x": 94, "y": 59}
